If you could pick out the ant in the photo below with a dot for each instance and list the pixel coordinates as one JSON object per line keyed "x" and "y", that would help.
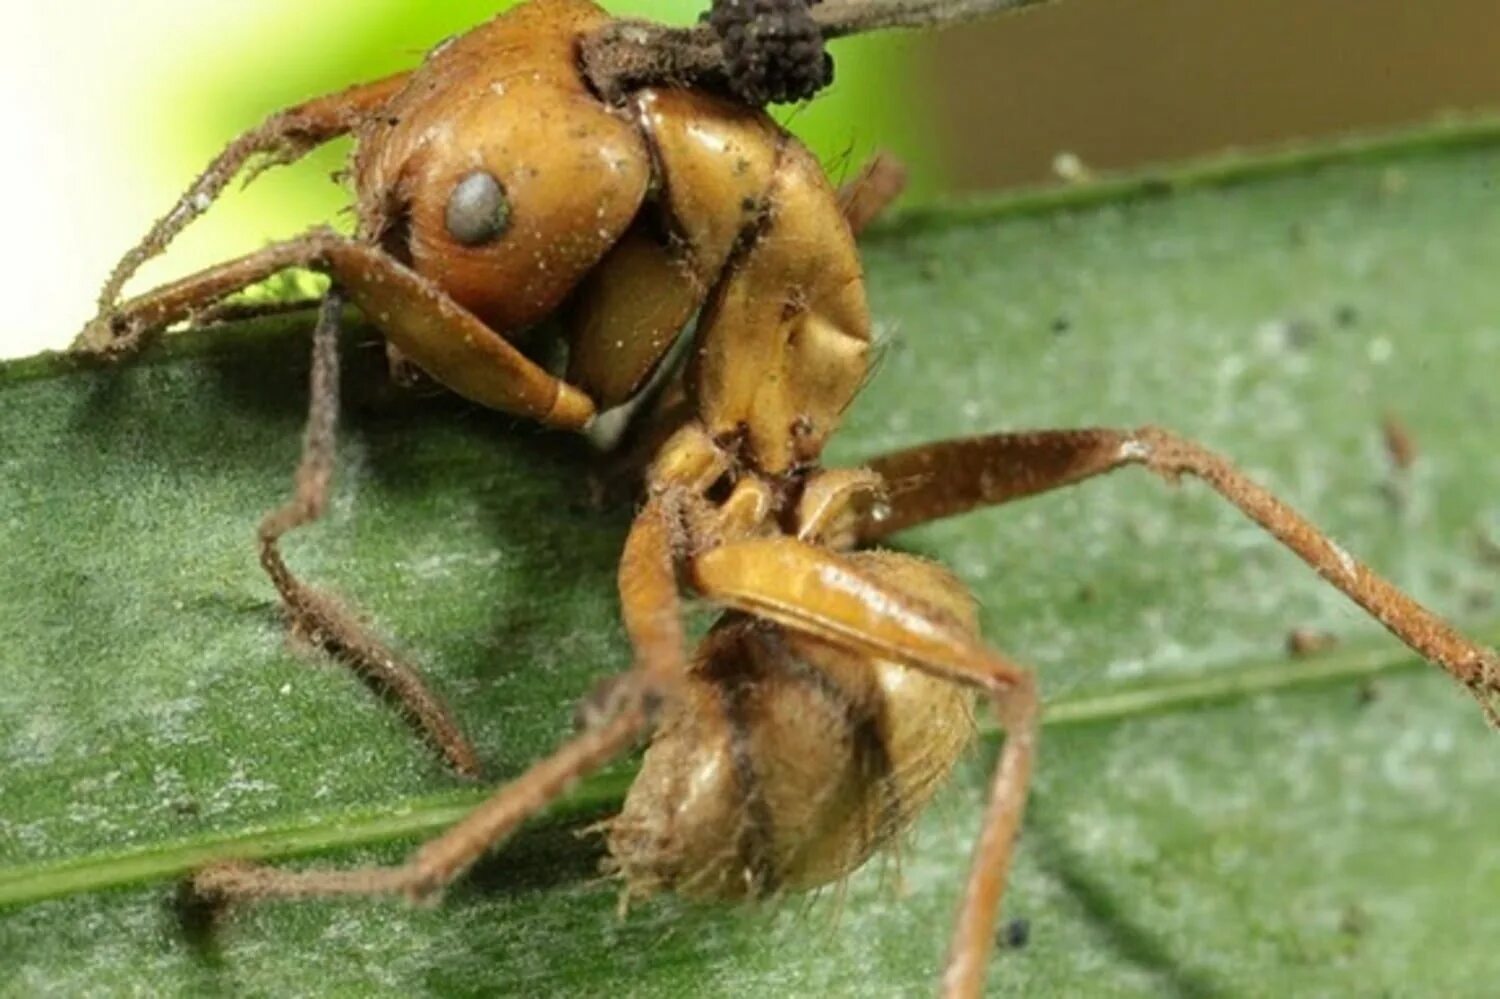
{"x": 554, "y": 162}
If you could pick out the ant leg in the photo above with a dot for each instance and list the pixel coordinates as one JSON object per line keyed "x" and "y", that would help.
{"x": 974, "y": 937}
{"x": 652, "y": 611}
{"x": 426, "y": 325}
{"x": 844, "y": 602}
{"x": 812, "y": 589}
{"x": 440, "y": 861}
{"x": 125, "y": 327}
{"x": 944, "y": 478}
{"x": 284, "y": 137}
{"x": 649, "y": 601}
{"x": 317, "y": 616}
{"x": 865, "y": 198}
{"x": 950, "y": 477}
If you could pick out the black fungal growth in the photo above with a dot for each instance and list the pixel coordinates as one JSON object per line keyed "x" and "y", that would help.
{"x": 773, "y": 49}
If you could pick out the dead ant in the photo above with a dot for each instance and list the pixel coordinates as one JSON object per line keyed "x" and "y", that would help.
{"x": 553, "y": 161}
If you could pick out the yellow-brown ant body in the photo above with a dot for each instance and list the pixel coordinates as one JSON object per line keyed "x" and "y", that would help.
{"x": 499, "y": 185}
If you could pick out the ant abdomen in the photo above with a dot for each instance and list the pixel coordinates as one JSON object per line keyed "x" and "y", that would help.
{"x": 788, "y": 762}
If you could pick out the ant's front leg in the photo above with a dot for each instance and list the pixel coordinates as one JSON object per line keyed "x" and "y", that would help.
{"x": 424, "y": 322}
{"x": 950, "y": 477}
{"x": 318, "y": 617}
{"x": 428, "y": 326}
{"x": 652, "y": 609}
{"x": 284, "y": 137}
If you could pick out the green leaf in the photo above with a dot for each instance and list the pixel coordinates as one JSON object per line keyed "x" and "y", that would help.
{"x": 1208, "y": 817}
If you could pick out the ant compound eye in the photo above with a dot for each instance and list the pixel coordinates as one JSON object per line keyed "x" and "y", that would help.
{"x": 478, "y": 211}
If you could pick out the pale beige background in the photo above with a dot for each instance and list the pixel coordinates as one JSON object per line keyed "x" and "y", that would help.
{"x": 90, "y": 86}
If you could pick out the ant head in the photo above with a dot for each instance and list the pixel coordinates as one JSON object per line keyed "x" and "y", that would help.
{"x": 497, "y": 173}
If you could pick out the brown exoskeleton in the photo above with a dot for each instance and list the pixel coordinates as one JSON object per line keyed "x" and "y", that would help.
{"x": 499, "y": 184}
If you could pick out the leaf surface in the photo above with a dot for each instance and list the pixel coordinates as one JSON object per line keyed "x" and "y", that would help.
{"x": 1209, "y": 816}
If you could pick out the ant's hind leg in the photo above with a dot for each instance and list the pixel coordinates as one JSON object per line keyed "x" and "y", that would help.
{"x": 1019, "y": 710}
{"x": 950, "y": 477}
{"x": 317, "y": 616}
{"x": 282, "y": 138}
{"x": 848, "y": 602}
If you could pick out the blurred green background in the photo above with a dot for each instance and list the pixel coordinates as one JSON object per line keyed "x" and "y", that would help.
{"x": 115, "y": 107}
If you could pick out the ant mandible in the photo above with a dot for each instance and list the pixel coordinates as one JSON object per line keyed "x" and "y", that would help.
{"x": 551, "y": 162}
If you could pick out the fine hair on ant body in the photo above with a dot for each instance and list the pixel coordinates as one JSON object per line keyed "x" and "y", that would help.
{"x": 621, "y": 178}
